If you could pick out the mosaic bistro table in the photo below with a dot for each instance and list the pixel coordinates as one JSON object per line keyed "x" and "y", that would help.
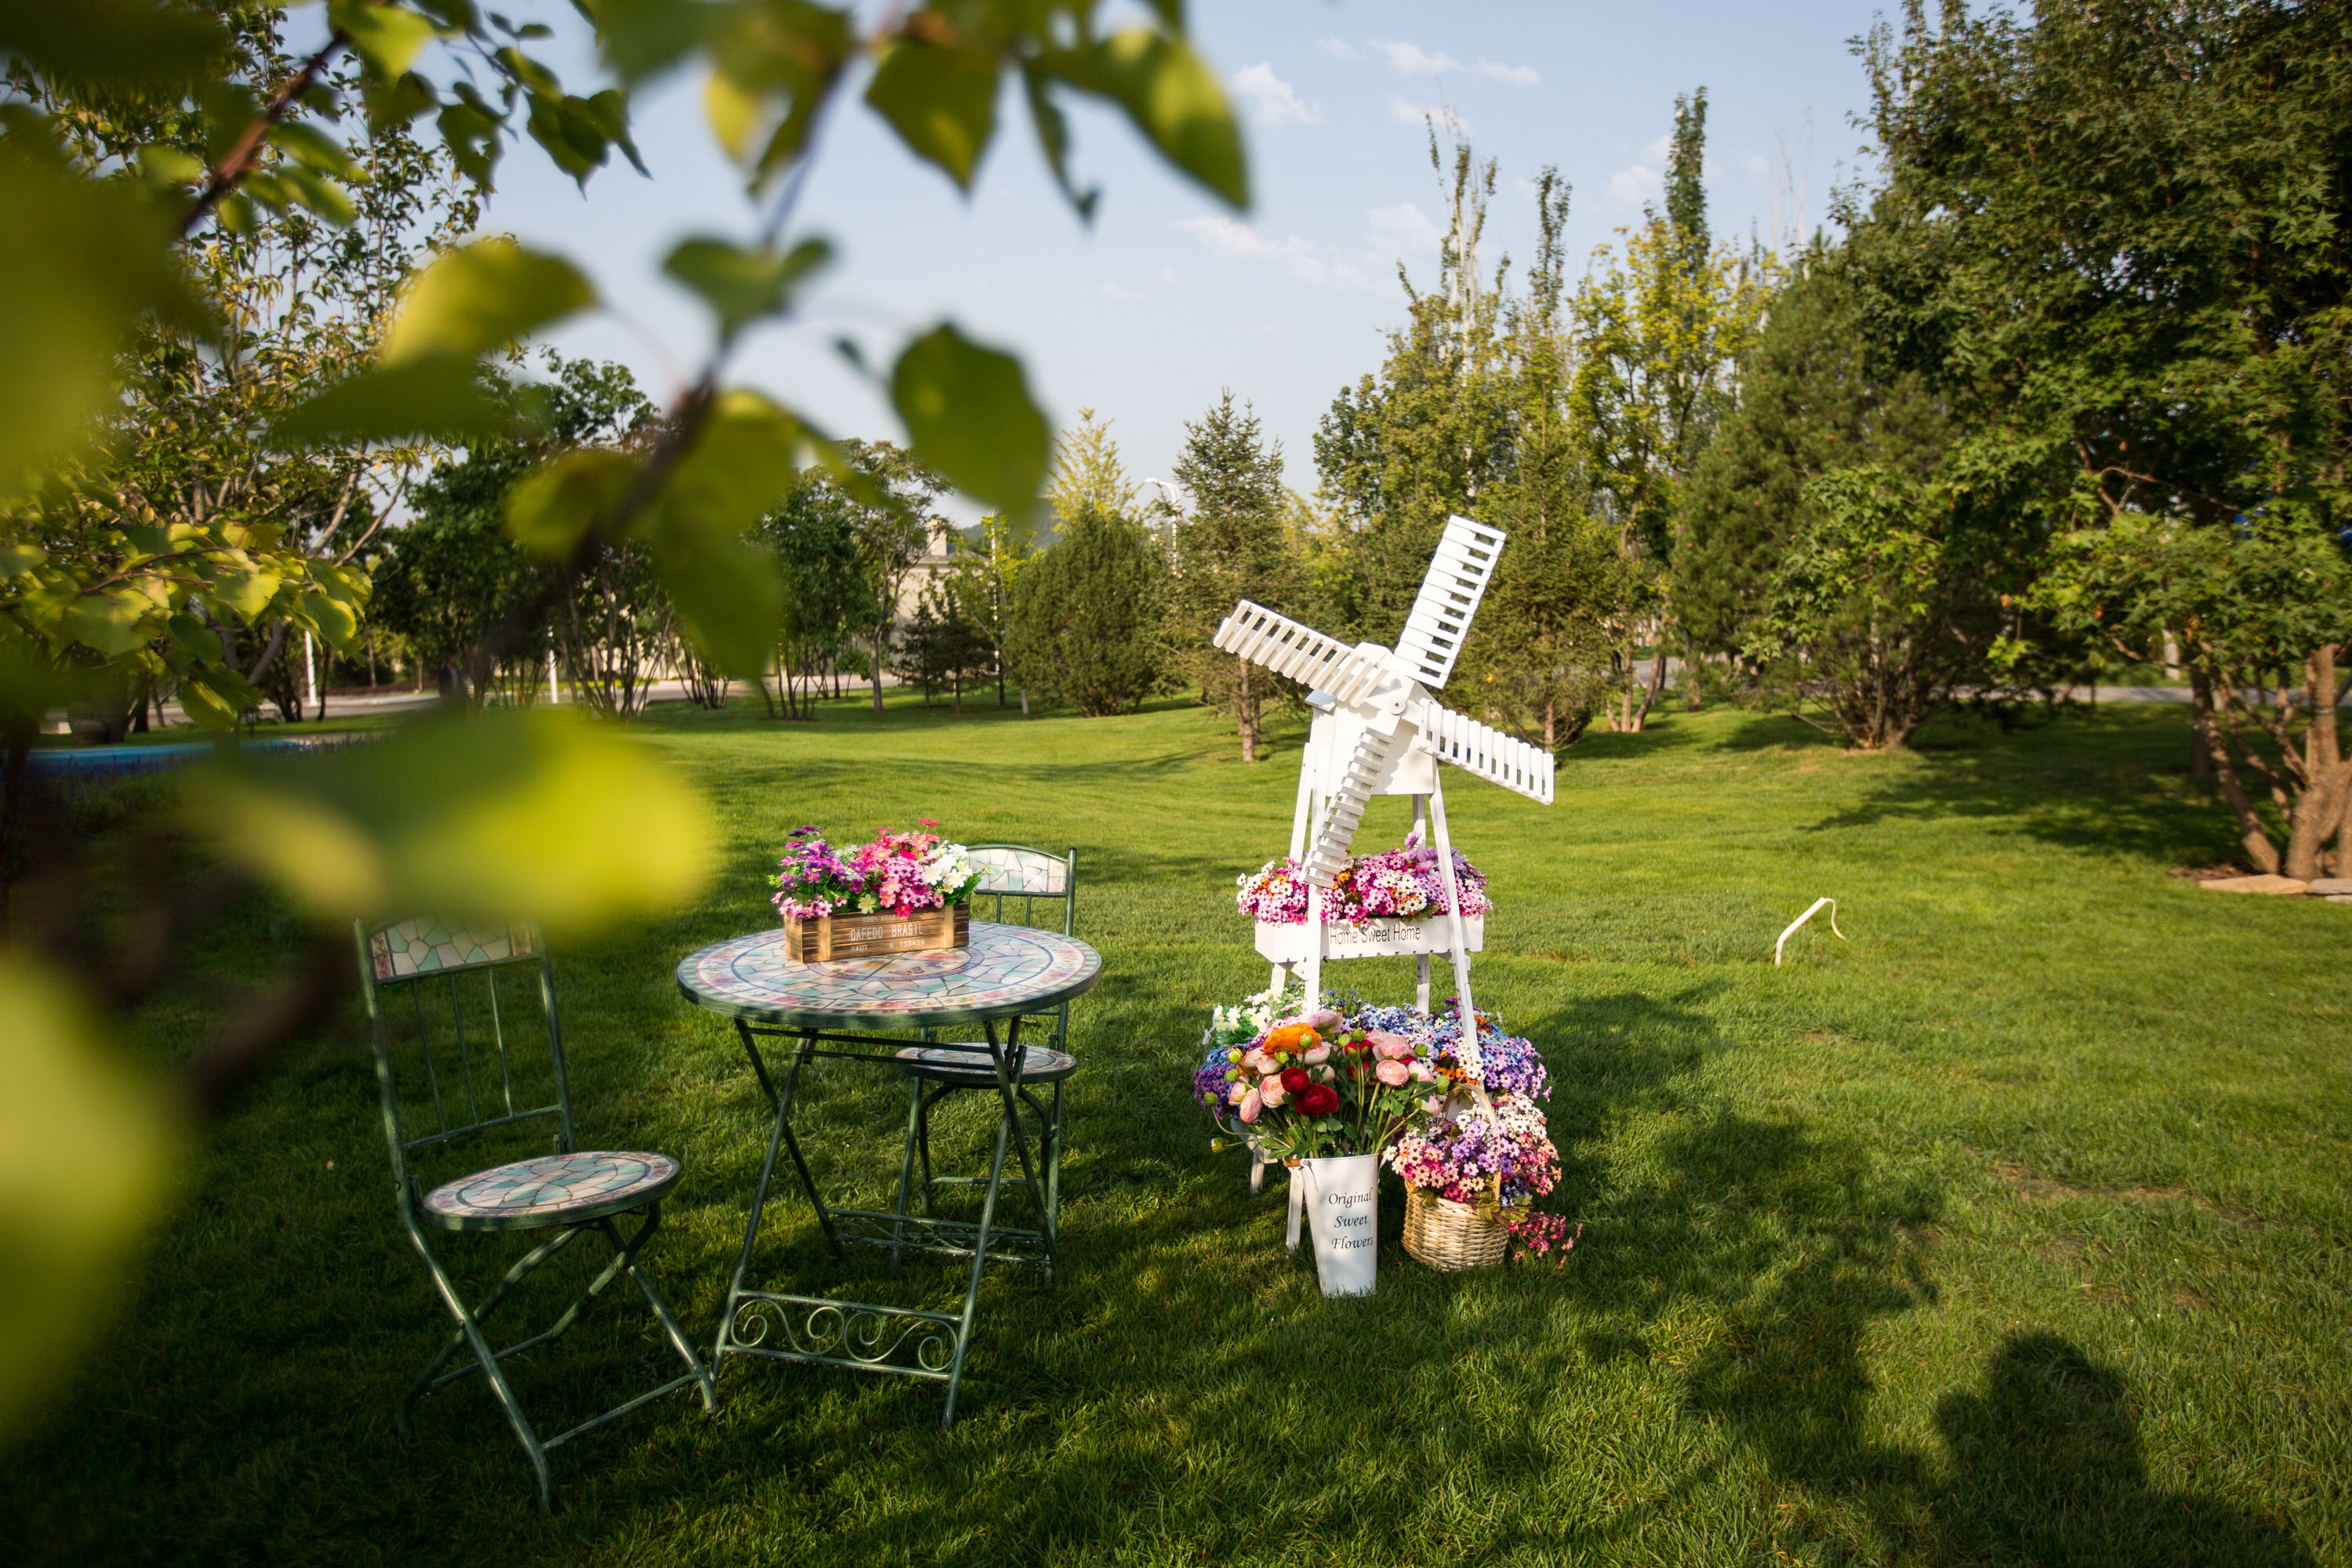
{"x": 1006, "y": 974}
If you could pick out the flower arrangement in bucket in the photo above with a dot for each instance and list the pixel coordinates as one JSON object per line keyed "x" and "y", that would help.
{"x": 1471, "y": 1172}
{"x": 1324, "y": 1098}
{"x": 902, "y": 893}
{"x": 1471, "y": 1179}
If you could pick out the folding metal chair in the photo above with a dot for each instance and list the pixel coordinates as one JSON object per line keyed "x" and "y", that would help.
{"x": 1008, "y": 871}
{"x": 451, "y": 980}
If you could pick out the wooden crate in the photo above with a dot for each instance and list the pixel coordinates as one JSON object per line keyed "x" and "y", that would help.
{"x": 871, "y": 936}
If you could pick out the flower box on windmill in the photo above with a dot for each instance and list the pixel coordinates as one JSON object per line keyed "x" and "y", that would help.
{"x": 1379, "y": 938}
{"x": 1378, "y": 730}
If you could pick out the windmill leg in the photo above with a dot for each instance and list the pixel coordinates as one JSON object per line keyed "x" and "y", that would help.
{"x": 1456, "y": 934}
{"x": 1421, "y": 961}
{"x": 1314, "y": 947}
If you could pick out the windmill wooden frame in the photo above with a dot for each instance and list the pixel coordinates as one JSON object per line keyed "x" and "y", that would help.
{"x": 1379, "y": 731}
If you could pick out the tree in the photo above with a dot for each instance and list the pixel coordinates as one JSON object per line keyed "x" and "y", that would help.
{"x": 2258, "y": 612}
{"x": 826, "y": 603}
{"x": 1088, "y": 475}
{"x": 1814, "y": 395}
{"x": 1659, "y": 333}
{"x": 2116, "y": 238}
{"x": 1474, "y": 413}
{"x": 1866, "y": 607}
{"x": 1426, "y": 437}
{"x": 983, "y": 575}
{"x": 893, "y": 527}
{"x": 1235, "y": 545}
{"x": 428, "y": 819}
{"x": 1087, "y": 615}
{"x": 1538, "y": 652}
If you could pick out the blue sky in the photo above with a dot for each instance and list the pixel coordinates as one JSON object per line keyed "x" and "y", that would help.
{"x": 1167, "y": 296}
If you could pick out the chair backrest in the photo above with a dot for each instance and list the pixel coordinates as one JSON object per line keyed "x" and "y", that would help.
{"x": 435, "y": 1006}
{"x": 1017, "y": 871}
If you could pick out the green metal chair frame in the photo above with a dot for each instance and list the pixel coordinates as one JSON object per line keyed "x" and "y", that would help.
{"x": 971, "y": 1072}
{"x": 487, "y": 953}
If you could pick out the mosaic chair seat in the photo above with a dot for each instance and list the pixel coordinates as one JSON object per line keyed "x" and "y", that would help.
{"x": 1009, "y": 872}
{"x": 426, "y": 985}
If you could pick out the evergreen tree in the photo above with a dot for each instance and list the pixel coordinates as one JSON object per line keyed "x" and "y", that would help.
{"x": 1810, "y": 400}
{"x": 1088, "y": 475}
{"x": 1089, "y": 612}
{"x": 1235, "y": 545}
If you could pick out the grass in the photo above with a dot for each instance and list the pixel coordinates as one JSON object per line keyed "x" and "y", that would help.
{"x": 2012, "y": 1230}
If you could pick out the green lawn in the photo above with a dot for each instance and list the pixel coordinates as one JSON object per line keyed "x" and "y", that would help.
{"x": 2013, "y": 1229}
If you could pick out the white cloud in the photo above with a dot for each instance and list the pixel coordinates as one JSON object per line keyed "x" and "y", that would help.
{"x": 1412, "y": 59}
{"x": 1515, "y": 76}
{"x": 1405, "y": 226}
{"x": 1237, "y": 241}
{"x": 1339, "y": 48}
{"x": 1631, "y": 187}
{"x": 1277, "y": 101}
{"x": 1413, "y": 113}
{"x": 1128, "y": 296}
{"x": 1168, "y": 275}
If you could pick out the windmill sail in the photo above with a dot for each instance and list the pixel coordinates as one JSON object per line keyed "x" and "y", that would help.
{"x": 1480, "y": 749}
{"x": 1350, "y": 792}
{"x": 1302, "y": 653}
{"x": 1450, "y": 593}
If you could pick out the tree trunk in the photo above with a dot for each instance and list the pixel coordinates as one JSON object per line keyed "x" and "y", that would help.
{"x": 881, "y": 640}
{"x": 1657, "y": 679}
{"x": 2201, "y": 747}
{"x": 2252, "y": 837}
{"x": 2325, "y": 774}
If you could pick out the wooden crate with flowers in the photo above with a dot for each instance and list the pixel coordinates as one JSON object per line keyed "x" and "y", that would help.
{"x": 1293, "y": 1074}
{"x": 903, "y": 892}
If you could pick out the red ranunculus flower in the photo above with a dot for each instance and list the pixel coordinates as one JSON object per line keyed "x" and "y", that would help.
{"x": 1294, "y": 1079}
{"x": 1318, "y": 1099}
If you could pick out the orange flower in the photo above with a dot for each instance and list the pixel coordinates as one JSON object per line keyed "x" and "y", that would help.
{"x": 1291, "y": 1037}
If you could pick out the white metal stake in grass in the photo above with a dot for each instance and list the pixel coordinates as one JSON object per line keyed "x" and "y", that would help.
{"x": 1377, "y": 732}
{"x": 1800, "y": 920}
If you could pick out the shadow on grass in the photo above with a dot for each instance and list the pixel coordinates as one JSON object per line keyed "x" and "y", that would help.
{"x": 1186, "y": 1395}
{"x": 2046, "y": 1467}
{"x": 2116, "y": 788}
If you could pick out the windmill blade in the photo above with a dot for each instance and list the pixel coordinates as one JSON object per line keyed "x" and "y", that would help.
{"x": 1302, "y": 653}
{"x": 1481, "y": 749}
{"x": 1350, "y": 792}
{"x": 1450, "y": 593}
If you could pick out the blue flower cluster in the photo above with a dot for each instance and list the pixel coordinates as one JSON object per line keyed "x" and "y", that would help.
{"x": 1512, "y": 1064}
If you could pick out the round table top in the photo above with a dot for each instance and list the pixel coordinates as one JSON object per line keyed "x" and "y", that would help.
{"x": 1006, "y": 970}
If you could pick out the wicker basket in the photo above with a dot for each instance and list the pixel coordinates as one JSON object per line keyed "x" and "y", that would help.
{"x": 1448, "y": 1235}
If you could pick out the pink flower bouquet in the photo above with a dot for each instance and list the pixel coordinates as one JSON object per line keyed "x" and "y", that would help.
{"x": 897, "y": 874}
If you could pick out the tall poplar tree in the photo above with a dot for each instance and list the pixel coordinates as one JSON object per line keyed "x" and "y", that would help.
{"x": 1659, "y": 332}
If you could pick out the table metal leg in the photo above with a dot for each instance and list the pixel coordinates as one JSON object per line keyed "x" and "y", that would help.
{"x": 979, "y": 1258}
{"x": 873, "y": 1337}
{"x": 779, "y": 1137}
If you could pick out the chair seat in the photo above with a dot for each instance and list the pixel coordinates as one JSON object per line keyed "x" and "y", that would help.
{"x": 969, "y": 1067}
{"x": 552, "y": 1190}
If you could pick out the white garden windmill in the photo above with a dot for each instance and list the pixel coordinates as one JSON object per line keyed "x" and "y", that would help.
{"x": 1376, "y": 731}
